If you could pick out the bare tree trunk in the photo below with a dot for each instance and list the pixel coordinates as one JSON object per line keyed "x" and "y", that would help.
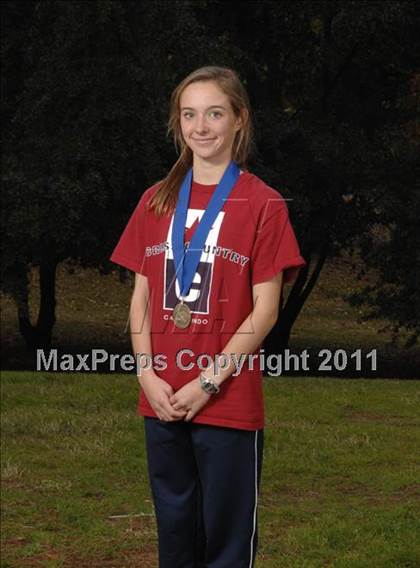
{"x": 39, "y": 335}
{"x": 278, "y": 338}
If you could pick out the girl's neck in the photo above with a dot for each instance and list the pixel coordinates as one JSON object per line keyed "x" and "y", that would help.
{"x": 208, "y": 173}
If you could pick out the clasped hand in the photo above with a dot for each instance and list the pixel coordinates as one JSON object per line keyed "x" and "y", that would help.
{"x": 170, "y": 406}
{"x": 190, "y": 399}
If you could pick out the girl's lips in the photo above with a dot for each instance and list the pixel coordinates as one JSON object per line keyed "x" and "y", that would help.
{"x": 203, "y": 141}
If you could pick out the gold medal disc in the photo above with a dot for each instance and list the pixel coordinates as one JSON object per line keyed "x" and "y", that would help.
{"x": 181, "y": 315}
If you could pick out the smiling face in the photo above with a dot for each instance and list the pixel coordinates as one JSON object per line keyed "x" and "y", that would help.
{"x": 208, "y": 123}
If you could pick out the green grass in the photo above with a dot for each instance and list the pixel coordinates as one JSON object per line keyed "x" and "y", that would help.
{"x": 339, "y": 486}
{"x": 340, "y": 476}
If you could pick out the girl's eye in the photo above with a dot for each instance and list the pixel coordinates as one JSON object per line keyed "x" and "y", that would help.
{"x": 213, "y": 112}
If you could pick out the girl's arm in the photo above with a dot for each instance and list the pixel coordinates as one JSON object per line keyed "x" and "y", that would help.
{"x": 157, "y": 390}
{"x": 249, "y": 335}
{"x": 140, "y": 325}
{"x": 253, "y": 330}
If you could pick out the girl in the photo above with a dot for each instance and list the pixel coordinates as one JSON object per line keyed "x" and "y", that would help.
{"x": 211, "y": 246}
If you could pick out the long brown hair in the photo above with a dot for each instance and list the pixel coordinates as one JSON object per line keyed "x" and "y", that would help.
{"x": 165, "y": 198}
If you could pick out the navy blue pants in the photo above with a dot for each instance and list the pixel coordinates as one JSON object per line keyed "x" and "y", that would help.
{"x": 204, "y": 481}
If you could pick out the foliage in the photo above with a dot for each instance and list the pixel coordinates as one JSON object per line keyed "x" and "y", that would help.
{"x": 86, "y": 88}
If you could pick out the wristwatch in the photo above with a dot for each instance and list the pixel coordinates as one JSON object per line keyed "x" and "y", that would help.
{"x": 208, "y": 385}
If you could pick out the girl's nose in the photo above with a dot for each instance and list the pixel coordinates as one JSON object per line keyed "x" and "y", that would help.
{"x": 201, "y": 124}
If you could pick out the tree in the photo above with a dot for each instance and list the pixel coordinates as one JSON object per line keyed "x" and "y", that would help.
{"x": 326, "y": 80}
{"x": 84, "y": 121}
{"x": 393, "y": 247}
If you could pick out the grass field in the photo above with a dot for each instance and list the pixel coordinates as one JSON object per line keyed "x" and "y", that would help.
{"x": 339, "y": 487}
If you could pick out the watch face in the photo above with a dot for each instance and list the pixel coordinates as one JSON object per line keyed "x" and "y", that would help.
{"x": 208, "y": 386}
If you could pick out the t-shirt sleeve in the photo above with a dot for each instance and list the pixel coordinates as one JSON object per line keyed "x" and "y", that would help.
{"x": 130, "y": 250}
{"x": 275, "y": 247}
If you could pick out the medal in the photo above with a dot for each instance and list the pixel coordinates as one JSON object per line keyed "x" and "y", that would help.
{"x": 182, "y": 315}
{"x": 186, "y": 260}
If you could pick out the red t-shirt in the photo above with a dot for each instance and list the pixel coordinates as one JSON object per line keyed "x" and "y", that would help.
{"x": 250, "y": 242}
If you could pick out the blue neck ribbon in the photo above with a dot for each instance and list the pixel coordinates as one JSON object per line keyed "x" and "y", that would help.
{"x": 187, "y": 260}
